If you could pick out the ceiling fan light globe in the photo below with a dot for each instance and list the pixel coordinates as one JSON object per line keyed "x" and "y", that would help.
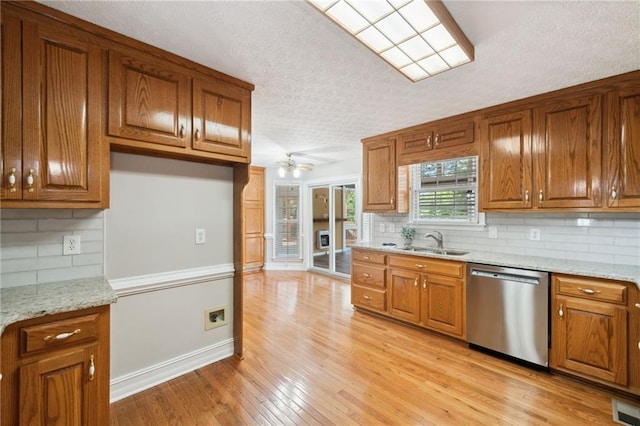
{"x": 296, "y": 173}
{"x": 281, "y": 172}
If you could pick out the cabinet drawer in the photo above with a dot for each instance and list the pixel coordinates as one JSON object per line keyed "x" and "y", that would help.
{"x": 591, "y": 289}
{"x": 368, "y": 275}
{"x": 369, "y": 298}
{"x": 434, "y": 266}
{"x": 369, "y": 257}
{"x": 58, "y": 333}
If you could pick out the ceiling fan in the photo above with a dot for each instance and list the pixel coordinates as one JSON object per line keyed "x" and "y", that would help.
{"x": 292, "y": 167}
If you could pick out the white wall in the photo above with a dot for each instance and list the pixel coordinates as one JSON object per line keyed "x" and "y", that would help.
{"x": 612, "y": 238}
{"x": 156, "y": 205}
{"x": 31, "y": 245}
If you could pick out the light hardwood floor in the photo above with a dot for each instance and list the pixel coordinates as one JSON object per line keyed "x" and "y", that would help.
{"x": 311, "y": 359}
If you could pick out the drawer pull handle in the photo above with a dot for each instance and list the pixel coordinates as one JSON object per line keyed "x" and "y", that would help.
{"x": 365, "y": 297}
{"x": 526, "y": 196}
{"x": 366, "y": 258}
{"x": 197, "y": 134}
{"x": 419, "y": 265}
{"x": 637, "y": 305}
{"x": 424, "y": 284}
{"x": 614, "y": 193}
{"x": 588, "y": 291}
{"x": 561, "y": 311}
{"x": 61, "y": 336}
{"x": 366, "y": 275}
{"x": 92, "y": 368}
{"x": 182, "y": 131}
{"x": 30, "y": 181}
{"x": 541, "y": 196}
{"x": 12, "y": 179}
{"x": 415, "y": 283}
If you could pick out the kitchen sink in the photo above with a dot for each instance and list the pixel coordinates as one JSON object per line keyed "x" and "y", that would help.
{"x": 449, "y": 252}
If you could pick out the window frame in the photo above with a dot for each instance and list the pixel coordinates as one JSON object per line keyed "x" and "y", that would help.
{"x": 277, "y": 235}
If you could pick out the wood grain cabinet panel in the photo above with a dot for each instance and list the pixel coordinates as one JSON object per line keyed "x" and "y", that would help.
{"x": 569, "y": 153}
{"x": 442, "y": 304}
{"x": 149, "y": 100}
{"x": 505, "y": 157}
{"x": 589, "y": 336}
{"x": 379, "y": 170}
{"x": 53, "y": 154}
{"x": 438, "y": 140}
{"x": 60, "y": 380}
{"x": 221, "y": 118}
{"x": 404, "y": 290}
{"x": 253, "y": 220}
{"x": 623, "y": 190}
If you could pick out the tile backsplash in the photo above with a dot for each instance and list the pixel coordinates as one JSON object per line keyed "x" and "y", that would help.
{"x": 31, "y": 245}
{"x": 597, "y": 237}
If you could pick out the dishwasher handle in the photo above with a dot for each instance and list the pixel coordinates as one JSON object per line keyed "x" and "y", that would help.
{"x": 505, "y": 277}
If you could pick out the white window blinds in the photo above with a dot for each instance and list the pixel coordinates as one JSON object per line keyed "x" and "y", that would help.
{"x": 287, "y": 230}
{"x": 445, "y": 191}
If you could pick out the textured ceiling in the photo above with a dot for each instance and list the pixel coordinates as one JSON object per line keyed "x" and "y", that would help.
{"x": 319, "y": 91}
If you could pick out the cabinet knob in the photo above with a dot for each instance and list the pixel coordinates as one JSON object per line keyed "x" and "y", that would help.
{"x": 526, "y": 196}
{"x": 561, "y": 311}
{"x": 30, "y": 181}
{"x": 541, "y": 196}
{"x": 614, "y": 193}
{"x": 637, "y": 305}
{"x": 182, "y": 131}
{"x": 92, "y": 369}
{"x": 12, "y": 179}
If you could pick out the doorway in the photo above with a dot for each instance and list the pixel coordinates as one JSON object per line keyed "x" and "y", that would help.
{"x": 335, "y": 227}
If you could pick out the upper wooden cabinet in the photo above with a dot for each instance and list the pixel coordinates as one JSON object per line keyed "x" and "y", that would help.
{"x": 568, "y": 143}
{"x": 437, "y": 141}
{"x": 623, "y": 153}
{"x": 505, "y": 161}
{"x": 379, "y": 170}
{"x": 149, "y": 100}
{"x": 253, "y": 220}
{"x": 545, "y": 158}
{"x": 163, "y": 108}
{"x": 53, "y": 153}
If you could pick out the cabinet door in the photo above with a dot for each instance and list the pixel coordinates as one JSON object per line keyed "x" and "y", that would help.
{"x": 505, "y": 148}
{"x": 624, "y": 148}
{"x": 590, "y": 338}
{"x": 569, "y": 147}
{"x": 379, "y": 175}
{"x": 11, "y": 142}
{"x": 414, "y": 143}
{"x": 58, "y": 390}
{"x": 405, "y": 294}
{"x": 454, "y": 133}
{"x": 149, "y": 100}
{"x": 62, "y": 143}
{"x": 221, "y": 118}
{"x": 442, "y": 304}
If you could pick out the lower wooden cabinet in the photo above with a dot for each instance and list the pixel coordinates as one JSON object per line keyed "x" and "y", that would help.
{"x": 423, "y": 291}
{"x": 56, "y": 370}
{"x": 590, "y": 328}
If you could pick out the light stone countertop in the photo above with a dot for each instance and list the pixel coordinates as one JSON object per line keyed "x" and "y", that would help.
{"x": 32, "y": 301}
{"x": 627, "y": 273}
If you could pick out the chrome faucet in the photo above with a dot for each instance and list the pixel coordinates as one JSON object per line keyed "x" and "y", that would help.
{"x": 438, "y": 237}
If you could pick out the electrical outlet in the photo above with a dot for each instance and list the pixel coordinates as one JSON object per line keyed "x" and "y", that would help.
{"x": 534, "y": 234}
{"x": 214, "y": 318}
{"x": 201, "y": 236}
{"x": 71, "y": 245}
{"x": 493, "y": 232}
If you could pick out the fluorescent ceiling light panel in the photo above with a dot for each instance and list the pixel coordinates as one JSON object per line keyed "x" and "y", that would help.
{"x": 416, "y": 48}
{"x": 418, "y": 14}
{"x": 375, "y": 39}
{"x": 396, "y": 58}
{"x": 347, "y": 17}
{"x": 417, "y": 37}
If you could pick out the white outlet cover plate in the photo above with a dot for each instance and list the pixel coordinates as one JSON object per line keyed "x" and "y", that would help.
{"x": 534, "y": 234}
{"x": 493, "y": 232}
{"x": 71, "y": 245}
{"x": 201, "y": 236}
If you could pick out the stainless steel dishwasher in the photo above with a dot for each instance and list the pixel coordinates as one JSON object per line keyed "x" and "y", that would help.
{"x": 508, "y": 311}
